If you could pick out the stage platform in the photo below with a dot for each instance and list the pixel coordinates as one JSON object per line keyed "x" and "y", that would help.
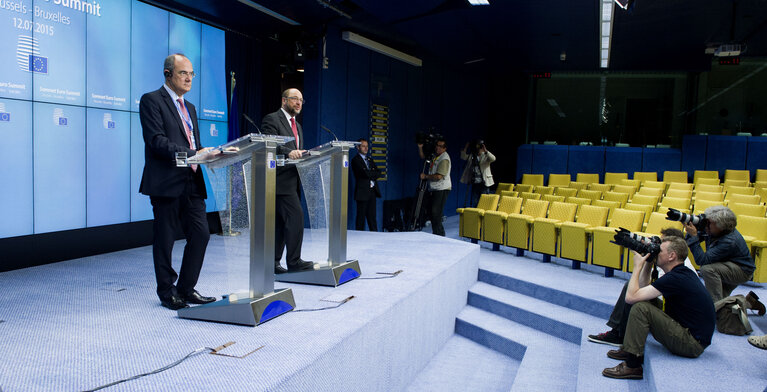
{"x": 80, "y": 324}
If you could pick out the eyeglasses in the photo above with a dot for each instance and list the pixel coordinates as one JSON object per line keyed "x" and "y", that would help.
{"x": 297, "y": 99}
{"x": 187, "y": 74}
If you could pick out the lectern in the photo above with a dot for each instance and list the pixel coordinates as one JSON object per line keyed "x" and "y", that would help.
{"x": 261, "y": 302}
{"x": 324, "y": 173}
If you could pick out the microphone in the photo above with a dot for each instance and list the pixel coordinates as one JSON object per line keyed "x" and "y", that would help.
{"x": 329, "y": 131}
{"x": 252, "y": 123}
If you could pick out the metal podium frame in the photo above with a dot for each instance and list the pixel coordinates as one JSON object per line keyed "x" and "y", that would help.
{"x": 262, "y": 303}
{"x": 340, "y": 270}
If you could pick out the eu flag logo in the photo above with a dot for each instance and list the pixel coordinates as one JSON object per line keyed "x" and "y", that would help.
{"x": 5, "y": 117}
{"x": 110, "y": 124}
{"x": 272, "y": 164}
{"x": 38, "y": 64}
{"x": 62, "y": 121}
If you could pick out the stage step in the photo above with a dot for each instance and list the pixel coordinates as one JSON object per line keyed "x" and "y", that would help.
{"x": 560, "y": 323}
{"x": 463, "y": 365}
{"x": 547, "y": 363}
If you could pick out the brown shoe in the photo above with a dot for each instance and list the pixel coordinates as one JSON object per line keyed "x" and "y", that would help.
{"x": 753, "y": 303}
{"x": 624, "y": 372}
{"x": 619, "y": 354}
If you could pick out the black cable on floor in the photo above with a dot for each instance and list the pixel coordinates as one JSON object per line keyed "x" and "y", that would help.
{"x": 389, "y": 275}
{"x": 162, "y": 369}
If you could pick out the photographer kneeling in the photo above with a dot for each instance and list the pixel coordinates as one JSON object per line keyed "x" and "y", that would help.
{"x": 726, "y": 262}
{"x": 684, "y": 328}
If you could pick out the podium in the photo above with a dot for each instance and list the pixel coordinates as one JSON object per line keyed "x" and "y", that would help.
{"x": 324, "y": 173}
{"x": 261, "y": 302}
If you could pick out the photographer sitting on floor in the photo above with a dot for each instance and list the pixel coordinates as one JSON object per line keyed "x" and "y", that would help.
{"x": 726, "y": 262}
{"x": 620, "y": 315}
{"x": 686, "y": 326}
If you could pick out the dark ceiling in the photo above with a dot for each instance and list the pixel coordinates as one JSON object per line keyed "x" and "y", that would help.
{"x": 529, "y": 35}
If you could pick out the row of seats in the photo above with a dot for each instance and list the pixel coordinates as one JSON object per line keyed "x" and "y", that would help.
{"x": 742, "y": 177}
{"x": 581, "y": 232}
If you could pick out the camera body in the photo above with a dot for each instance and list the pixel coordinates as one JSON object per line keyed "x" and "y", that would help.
{"x": 476, "y": 145}
{"x": 699, "y": 221}
{"x": 638, "y": 243}
{"x": 429, "y": 140}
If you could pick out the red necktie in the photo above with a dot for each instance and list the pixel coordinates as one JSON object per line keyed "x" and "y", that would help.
{"x": 295, "y": 130}
{"x": 187, "y": 127}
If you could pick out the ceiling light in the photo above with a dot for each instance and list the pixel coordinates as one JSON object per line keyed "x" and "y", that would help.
{"x": 348, "y": 36}
{"x": 270, "y": 12}
{"x": 479, "y": 2}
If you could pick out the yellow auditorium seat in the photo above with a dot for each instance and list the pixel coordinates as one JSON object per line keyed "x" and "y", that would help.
{"x": 605, "y": 253}
{"x": 675, "y": 177}
{"x": 729, "y": 183}
{"x": 718, "y": 188}
{"x": 503, "y": 186}
{"x": 615, "y": 178}
{"x": 532, "y": 179}
{"x": 740, "y": 190}
{"x": 739, "y": 175}
{"x": 742, "y": 209}
{"x": 646, "y": 176}
{"x": 470, "y": 219}
{"x": 530, "y": 195}
{"x": 715, "y": 196}
{"x": 494, "y": 222}
{"x": 635, "y": 183}
{"x": 698, "y": 206}
{"x": 646, "y": 200}
{"x": 762, "y": 192}
{"x": 754, "y": 231}
{"x": 645, "y": 209}
{"x": 680, "y": 186}
{"x": 622, "y": 198}
{"x": 611, "y": 204}
{"x": 546, "y": 230}
{"x": 578, "y": 200}
{"x": 627, "y": 189}
{"x": 566, "y": 192}
{"x": 682, "y": 193}
{"x": 589, "y": 178}
{"x": 579, "y": 185}
{"x": 709, "y": 174}
{"x": 576, "y": 236}
{"x": 509, "y": 193}
{"x": 656, "y": 223}
{"x": 707, "y": 181}
{"x": 649, "y": 191}
{"x": 553, "y": 198}
{"x": 760, "y": 176}
{"x": 518, "y": 225}
{"x": 654, "y": 184}
{"x": 587, "y": 194}
{"x": 676, "y": 203}
{"x": 523, "y": 188}
{"x": 745, "y": 199}
{"x": 544, "y": 190}
{"x": 600, "y": 187}
{"x": 559, "y": 180}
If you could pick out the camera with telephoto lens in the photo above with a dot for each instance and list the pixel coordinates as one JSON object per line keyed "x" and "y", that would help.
{"x": 638, "y": 243}
{"x": 476, "y": 145}
{"x": 699, "y": 221}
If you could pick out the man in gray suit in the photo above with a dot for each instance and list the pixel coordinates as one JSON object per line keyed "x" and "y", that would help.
{"x": 289, "y": 216}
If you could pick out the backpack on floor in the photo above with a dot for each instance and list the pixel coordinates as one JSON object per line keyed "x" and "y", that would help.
{"x": 731, "y": 316}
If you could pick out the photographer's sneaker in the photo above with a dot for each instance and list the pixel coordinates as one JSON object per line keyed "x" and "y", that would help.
{"x": 610, "y": 337}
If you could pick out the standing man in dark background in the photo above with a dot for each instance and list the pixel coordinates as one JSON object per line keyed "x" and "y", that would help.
{"x": 365, "y": 188}
{"x": 169, "y": 125}
{"x": 439, "y": 183}
{"x": 289, "y": 216}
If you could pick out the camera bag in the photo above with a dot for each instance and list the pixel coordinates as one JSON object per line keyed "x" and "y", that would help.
{"x": 731, "y": 316}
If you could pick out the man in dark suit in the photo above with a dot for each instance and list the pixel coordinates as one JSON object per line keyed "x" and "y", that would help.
{"x": 289, "y": 216}
{"x": 169, "y": 125}
{"x": 365, "y": 188}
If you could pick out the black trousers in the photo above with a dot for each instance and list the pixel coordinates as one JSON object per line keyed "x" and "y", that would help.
{"x": 366, "y": 210}
{"x": 438, "y": 200}
{"x": 188, "y": 211}
{"x": 289, "y": 228}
